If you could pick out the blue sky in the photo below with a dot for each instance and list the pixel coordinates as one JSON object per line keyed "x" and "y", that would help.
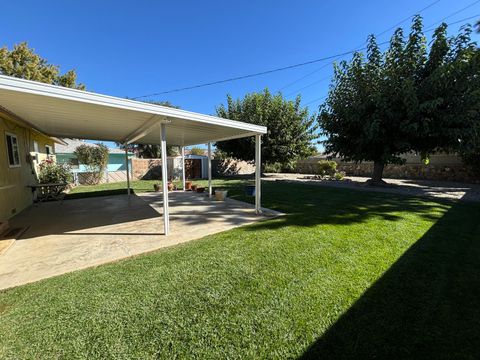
{"x": 126, "y": 48}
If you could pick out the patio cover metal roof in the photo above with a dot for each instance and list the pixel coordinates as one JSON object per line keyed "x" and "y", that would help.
{"x": 69, "y": 113}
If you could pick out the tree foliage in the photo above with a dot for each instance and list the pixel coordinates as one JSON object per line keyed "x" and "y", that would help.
{"x": 95, "y": 158}
{"x": 408, "y": 98}
{"x": 195, "y": 150}
{"x": 23, "y": 62}
{"x": 291, "y": 129}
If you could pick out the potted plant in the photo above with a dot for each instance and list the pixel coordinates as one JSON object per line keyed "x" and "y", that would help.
{"x": 200, "y": 189}
{"x": 170, "y": 185}
{"x": 156, "y": 187}
{"x": 188, "y": 185}
{"x": 194, "y": 187}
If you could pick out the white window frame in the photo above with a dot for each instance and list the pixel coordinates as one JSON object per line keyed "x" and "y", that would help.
{"x": 35, "y": 146}
{"x": 14, "y": 136}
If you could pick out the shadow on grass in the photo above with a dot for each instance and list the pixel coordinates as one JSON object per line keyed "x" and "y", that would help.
{"x": 309, "y": 205}
{"x": 425, "y": 306}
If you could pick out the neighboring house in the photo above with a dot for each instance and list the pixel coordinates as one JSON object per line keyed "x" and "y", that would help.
{"x": 116, "y": 168}
{"x": 22, "y": 148}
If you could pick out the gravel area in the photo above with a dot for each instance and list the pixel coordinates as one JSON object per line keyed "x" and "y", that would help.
{"x": 436, "y": 189}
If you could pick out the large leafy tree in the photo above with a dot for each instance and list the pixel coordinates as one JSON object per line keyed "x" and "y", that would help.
{"x": 408, "y": 98}
{"x": 23, "y": 62}
{"x": 291, "y": 128}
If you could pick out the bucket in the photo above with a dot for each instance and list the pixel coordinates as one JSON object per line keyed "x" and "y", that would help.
{"x": 250, "y": 190}
{"x": 220, "y": 195}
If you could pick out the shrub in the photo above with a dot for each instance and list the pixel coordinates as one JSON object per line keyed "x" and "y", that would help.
{"x": 95, "y": 158}
{"x": 51, "y": 172}
{"x": 339, "y": 175}
{"x": 289, "y": 167}
{"x": 327, "y": 167}
{"x": 275, "y": 167}
{"x": 195, "y": 150}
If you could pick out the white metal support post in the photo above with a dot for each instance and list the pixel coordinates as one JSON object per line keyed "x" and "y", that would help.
{"x": 183, "y": 168}
{"x": 163, "y": 147}
{"x": 209, "y": 169}
{"x": 258, "y": 172}
{"x": 128, "y": 168}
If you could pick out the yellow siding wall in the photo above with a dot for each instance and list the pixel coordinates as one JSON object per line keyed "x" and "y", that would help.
{"x": 14, "y": 193}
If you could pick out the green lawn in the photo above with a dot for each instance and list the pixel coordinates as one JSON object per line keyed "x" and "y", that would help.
{"x": 344, "y": 274}
{"x": 138, "y": 186}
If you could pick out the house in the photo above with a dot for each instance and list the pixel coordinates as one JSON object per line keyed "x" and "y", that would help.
{"x": 22, "y": 148}
{"x": 116, "y": 168}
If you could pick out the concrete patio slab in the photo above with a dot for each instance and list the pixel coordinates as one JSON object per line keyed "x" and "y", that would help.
{"x": 77, "y": 234}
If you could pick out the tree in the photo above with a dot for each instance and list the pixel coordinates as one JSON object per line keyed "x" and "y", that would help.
{"x": 195, "y": 150}
{"x": 23, "y": 62}
{"x": 148, "y": 151}
{"x": 95, "y": 158}
{"x": 291, "y": 129}
{"x": 406, "y": 99}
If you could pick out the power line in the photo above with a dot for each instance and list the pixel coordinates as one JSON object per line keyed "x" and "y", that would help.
{"x": 315, "y": 100}
{"x": 340, "y": 55}
{"x": 454, "y": 13}
{"x": 385, "y": 31}
{"x": 247, "y": 76}
{"x": 452, "y": 23}
{"x": 273, "y": 70}
{"x": 309, "y": 85}
{"x": 377, "y": 35}
{"x": 408, "y": 18}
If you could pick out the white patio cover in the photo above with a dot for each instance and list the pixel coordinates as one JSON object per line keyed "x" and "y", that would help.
{"x": 69, "y": 113}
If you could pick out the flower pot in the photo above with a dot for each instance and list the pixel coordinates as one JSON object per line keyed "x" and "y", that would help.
{"x": 220, "y": 195}
{"x": 194, "y": 187}
{"x": 170, "y": 186}
{"x": 156, "y": 187}
{"x": 188, "y": 185}
{"x": 200, "y": 189}
{"x": 250, "y": 190}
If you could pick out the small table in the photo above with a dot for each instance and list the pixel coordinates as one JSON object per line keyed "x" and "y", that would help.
{"x": 51, "y": 191}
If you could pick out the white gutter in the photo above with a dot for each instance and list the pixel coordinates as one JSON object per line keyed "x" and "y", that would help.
{"x": 36, "y": 88}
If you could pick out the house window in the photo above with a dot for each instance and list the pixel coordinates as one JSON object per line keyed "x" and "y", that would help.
{"x": 49, "y": 150}
{"x": 35, "y": 146}
{"x": 13, "y": 153}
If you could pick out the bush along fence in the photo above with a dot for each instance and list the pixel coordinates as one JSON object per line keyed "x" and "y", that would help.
{"x": 440, "y": 167}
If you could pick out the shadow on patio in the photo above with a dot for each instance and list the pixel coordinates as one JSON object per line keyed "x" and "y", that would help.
{"x": 79, "y": 233}
{"x": 424, "y": 306}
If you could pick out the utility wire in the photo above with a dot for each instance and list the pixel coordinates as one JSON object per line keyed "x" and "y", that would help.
{"x": 340, "y": 55}
{"x": 428, "y": 30}
{"x": 385, "y": 31}
{"x": 248, "y": 76}
{"x": 275, "y": 70}
{"x": 360, "y": 45}
{"x": 453, "y": 14}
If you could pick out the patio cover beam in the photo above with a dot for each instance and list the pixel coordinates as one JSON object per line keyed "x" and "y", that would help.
{"x": 209, "y": 167}
{"x": 163, "y": 147}
{"x": 258, "y": 173}
{"x": 183, "y": 167}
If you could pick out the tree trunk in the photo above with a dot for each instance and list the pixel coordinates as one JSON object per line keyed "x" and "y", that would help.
{"x": 377, "y": 175}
